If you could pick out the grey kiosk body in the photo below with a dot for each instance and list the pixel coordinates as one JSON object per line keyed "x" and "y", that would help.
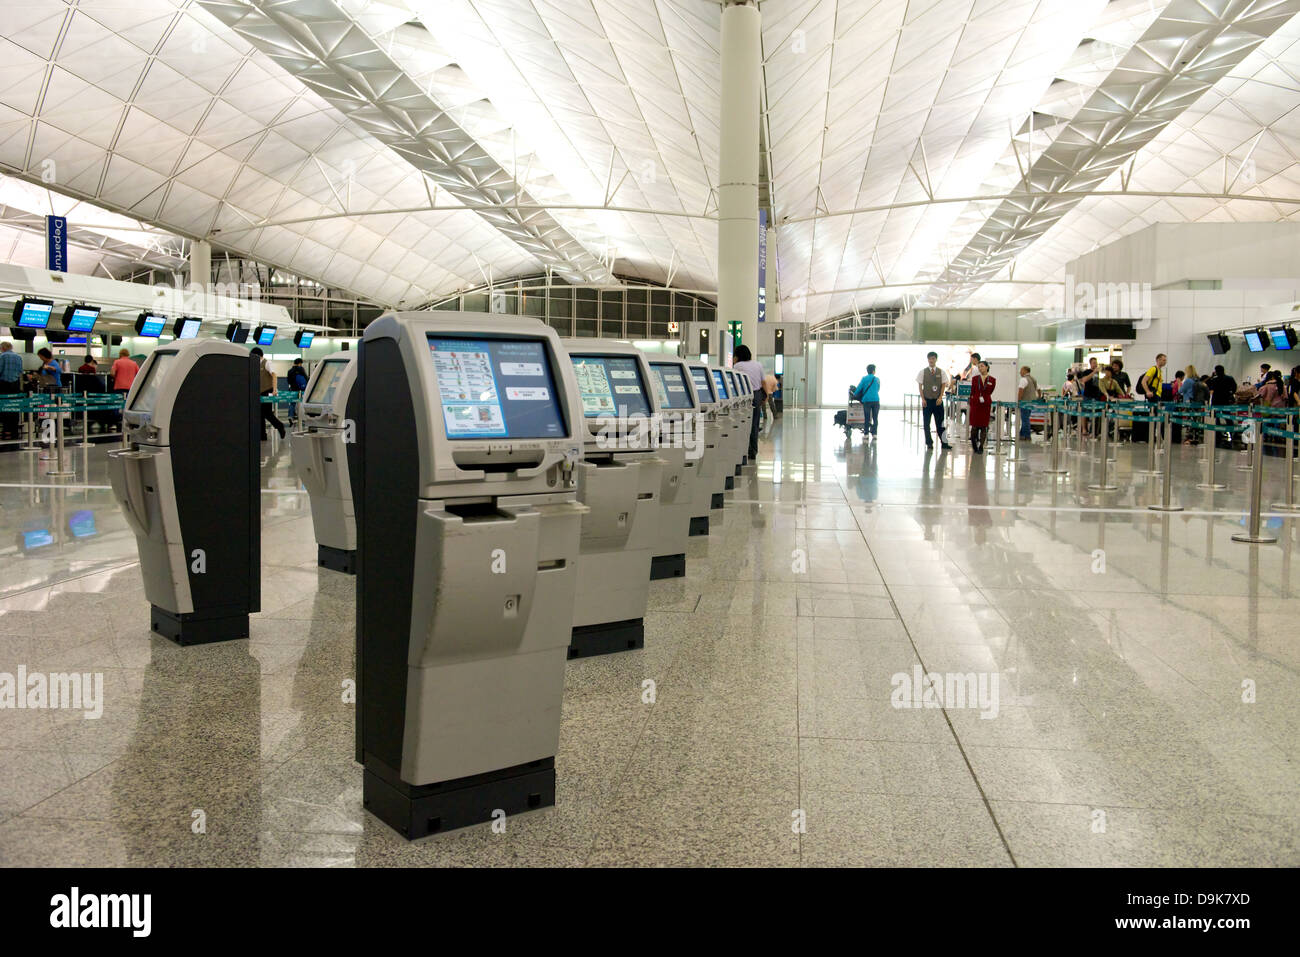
{"x": 740, "y": 409}
{"x": 681, "y": 446}
{"x": 189, "y": 486}
{"x": 730, "y": 424}
{"x": 325, "y": 455}
{"x": 619, "y": 479}
{"x": 713, "y": 473}
{"x": 468, "y": 428}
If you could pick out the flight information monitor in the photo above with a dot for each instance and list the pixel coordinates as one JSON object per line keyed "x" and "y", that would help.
{"x": 265, "y": 335}
{"x": 150, "y": 324}
{"x": 302, "y": 339}
{"x": 721, "y": 384}
{"x": 610, "y": 385}
{"x": 147, "y": 394}
{"x": 496, "y": 388}
{"x": 671, "y": 385}
{"x": 1283, "y": 337}
{"x": 186, "y": 328}
{"x": 33, "y": 313}
{"x": 1255, "y": 340}
{"x": 702, "y": 386}
{"x": 327, "y": 382}
{"x": 80, "y": 318}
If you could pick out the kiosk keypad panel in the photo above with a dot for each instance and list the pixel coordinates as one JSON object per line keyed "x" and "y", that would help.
{"x": 610, "y": 385}
{"x": 496, "y": 388}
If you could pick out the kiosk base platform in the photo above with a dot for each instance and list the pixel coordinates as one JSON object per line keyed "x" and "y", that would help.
{"x": 699, "y": 525}
{"x": 744, "y": 460}
{"x": 418, "y": 810}
{"x": 607, "y": 638}
{"x": 718, "y": 501}
{"x": 667, "y": 566}
{"x": 197, "y": 629}
{"x": 731, "y": 480}
{"x": 337, "y": 559}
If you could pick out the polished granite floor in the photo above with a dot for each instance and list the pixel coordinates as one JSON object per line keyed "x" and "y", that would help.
{"x": 1125, "y": 645}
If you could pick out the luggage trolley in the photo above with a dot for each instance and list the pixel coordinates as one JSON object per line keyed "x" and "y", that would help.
{"x": 853, "y": 417}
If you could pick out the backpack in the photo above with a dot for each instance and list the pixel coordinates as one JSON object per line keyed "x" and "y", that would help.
{"x": 1201, "y": 393}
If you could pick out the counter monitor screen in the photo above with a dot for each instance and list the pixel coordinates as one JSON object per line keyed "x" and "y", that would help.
{"x": 1283, "y": 338}
{"x": 496, "y": 388}
{"x": 1255, "y": 340}
{"x": 82, "y": 524}
{"x": 80, "y": 318}
{"x": 327, "y": 382}
{"x": 610, "y": 385}
{"x": 673, "y": 393}
{"x": 150, "y": 325}
{"x": 265, "y": 335}
{"x": 701, "y": 377}
{"x": 186, "y": 328}
{"x": 37, "y": 538}
{"x": 33, "y": 313}
{"x": 303, "y": 339}
{"x": 147, "y": 395}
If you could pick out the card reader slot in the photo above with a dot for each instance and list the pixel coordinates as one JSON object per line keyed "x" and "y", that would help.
{"x": 554, "y": 564}
{"x": 471, "y": 462}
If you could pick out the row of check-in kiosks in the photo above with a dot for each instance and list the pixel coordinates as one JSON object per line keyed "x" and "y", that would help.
{"x": 503, "y": 496}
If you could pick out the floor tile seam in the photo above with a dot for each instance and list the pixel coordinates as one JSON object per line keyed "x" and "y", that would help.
{"x": 947, "y": 719}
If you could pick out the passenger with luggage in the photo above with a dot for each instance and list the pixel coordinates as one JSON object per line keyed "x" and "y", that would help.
{"x": 868, "y": 393}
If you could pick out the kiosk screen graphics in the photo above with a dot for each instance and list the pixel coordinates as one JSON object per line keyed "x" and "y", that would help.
{"x": 33, "y": 313}
{"x": 322, "y": 392}
{"x": 148, "y": 394}
{"x": 81, "y": 318}
{"x": 701, "y": 377}
{"x": 496, "y": 389}
{"x": 671, "y": 384}
{"x": 1255, "y": 340}
{"x": 187, "y": 328}
{"x": 722, "y": 384}
{"x": 610, "y": 385}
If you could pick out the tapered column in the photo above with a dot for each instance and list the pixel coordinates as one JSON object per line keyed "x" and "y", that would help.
{"x": 738, "y": 171}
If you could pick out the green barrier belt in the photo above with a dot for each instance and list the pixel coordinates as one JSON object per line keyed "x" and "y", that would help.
{"x": 1281, "y": 433}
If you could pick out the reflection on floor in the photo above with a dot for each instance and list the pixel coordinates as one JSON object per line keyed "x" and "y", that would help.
{"x": 1142, "y": 667}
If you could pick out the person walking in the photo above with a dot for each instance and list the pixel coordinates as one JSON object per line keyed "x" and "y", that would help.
{"x": 743, "y": 361}
{"x": 266, "y": 383}
{"x": 868, "y": 393}
{"x": 11, "y": 383}
{"x": 981, "y": 406}
{"x": 932, "y": 382}
{"x": 297, "y": 382}
{"x": 1026, "y": 392}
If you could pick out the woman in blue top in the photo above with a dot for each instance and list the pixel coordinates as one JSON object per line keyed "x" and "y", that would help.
{"x": 868, "y": 393}
{"x": 50, "y": 370}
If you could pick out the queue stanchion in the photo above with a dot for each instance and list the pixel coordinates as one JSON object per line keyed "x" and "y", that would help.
{"x": 85, "y": 423}
{"x": 1211, "y": 456}
{"x": 30, "y": 441}
{"x": 1248, "y": 454}
{"x": 1167, "y": 485}
{"x": 1102, "y": 484}
{"x": 997, "y": 429}
{"x": 1152, "y": 442}
{"x": 59, "y": 471}
{"x": 1255, "y": 535}
{"x": 1288, "y": 504}
{"x": 1056, "y": 445}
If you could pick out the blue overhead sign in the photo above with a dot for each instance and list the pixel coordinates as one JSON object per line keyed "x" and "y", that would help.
{"x": 762, "y": 265}
{"x": 56, "y": 243}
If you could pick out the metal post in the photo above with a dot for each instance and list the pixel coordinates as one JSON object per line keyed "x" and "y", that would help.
{"x": 85, "y": 423}
{"x": 1168, "y": 484}
{"x": 1247, "y": 465}
{"x": 58, "y": 469}
{"x": 1102, "y": 485}
{"x": 997, "y": 429}
{"x": 1151, "y": 445}
{"x": 1288, "y": 504}
{"x": 1255, "y": 536}
{"x": 1056, "y": 445}
{"x": 1210, "y": 440}
{"x": 30, "y": 441}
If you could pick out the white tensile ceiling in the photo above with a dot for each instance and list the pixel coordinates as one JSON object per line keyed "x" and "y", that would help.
{"x": 602, "y": 115}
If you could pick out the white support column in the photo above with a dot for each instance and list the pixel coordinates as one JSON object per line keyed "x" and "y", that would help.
{"x": 738, "y": 171}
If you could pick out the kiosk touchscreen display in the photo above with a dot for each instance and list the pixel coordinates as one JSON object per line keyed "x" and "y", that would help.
{"x": 496, "y": 388}
{"x": 147, "y": 395}
{"x": 327, "y": 382}
{"x": 701, "y": 377}
{"x": 671, "y": 384}
{"x": 722, "y": 384}
{"x": 610, "y": 385}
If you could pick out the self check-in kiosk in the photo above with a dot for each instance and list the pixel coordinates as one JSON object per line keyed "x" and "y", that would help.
{"x": 727, "y": 421}
{"x": 712, "y": 472}
{"x": 741, "y": 433}
{"x": 189, "y": 486}
{"x": 324, "y": 453}
{"x": 469, "y": 430}
{"x": 619, "y": 479}
{"x": 681, "y": 448}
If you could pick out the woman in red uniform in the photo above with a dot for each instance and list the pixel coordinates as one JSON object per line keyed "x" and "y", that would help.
{"x": 981, "y": 406}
